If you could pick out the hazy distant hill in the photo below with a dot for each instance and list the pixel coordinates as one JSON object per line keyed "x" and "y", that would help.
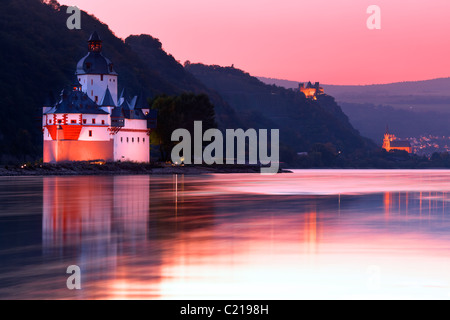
{"x": 371, "y": 121}
{"x": 302, "y": 122}
{"x": 427, "y": 95}
{"x": 411, "y": 109}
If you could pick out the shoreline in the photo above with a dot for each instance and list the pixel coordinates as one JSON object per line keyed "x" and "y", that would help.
{"x": 124, "y": 168}
{"x": 85, "y": 168}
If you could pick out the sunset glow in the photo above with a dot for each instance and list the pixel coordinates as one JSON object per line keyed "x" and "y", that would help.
{"x": 324, "y": 40}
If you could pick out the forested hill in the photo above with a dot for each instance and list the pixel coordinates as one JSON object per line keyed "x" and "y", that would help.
{"x": 302, "y": 122}
{"x": 156, "y": 59}
{"x": 39, "y": 56}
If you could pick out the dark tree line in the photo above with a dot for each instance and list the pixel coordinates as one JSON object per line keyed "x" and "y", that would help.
{"x": 176, "y": 112}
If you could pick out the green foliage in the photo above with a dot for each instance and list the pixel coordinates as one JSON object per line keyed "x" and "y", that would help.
{"x": 180, "y": 111}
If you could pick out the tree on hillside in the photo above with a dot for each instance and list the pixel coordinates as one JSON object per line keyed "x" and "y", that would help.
{"x": 181, "y": 111}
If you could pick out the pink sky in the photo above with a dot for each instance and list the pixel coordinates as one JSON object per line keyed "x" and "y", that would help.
{"x": 317, "y": 40}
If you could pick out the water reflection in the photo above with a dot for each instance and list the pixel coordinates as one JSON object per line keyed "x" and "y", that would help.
{"x": 311, "y": 234}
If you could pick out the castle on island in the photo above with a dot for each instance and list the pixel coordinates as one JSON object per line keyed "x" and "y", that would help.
{"x": 391, "y": 142}
{"x": 91, "y": 122}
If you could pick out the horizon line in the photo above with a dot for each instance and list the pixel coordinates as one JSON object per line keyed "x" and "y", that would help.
{"x": 355, "y": 85}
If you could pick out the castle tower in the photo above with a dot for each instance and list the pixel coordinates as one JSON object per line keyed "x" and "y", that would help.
{"x": 90, "y": 123}
{"x": 387, "y": 140}
{"x": 107, "y": 102}
{"x": 96, "y": 73}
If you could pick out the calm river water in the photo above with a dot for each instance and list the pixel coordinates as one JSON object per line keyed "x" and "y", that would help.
{"x": 310, "y": 234}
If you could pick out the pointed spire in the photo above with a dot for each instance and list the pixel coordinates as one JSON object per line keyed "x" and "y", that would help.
{"x": 141, "y": 103}
{"x": 124, "y": 94}
{"x": 107, "y": 100}
{"x": 123, "y": 97}
{"x": 133, "y": 102}
{"x": 94, "y": 37}
{"x": 124, "y": 104}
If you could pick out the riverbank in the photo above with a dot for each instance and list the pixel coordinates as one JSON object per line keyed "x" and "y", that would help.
{"x": 120, "y": 168}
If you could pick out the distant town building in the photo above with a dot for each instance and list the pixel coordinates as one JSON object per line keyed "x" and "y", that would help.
{"x": 311, "y": 91}
{"x": 390, "y": 142}
{"x": 90, "y": 122}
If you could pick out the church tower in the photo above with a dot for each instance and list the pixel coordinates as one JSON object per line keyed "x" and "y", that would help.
{"x": 387, "y": 140}
{"x": 96, "y": 73}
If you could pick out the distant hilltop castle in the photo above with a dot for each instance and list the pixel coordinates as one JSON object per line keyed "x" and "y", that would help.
{"x": 90, "y": 122}
{"x": 390, "y": 142}
{"x": 311, "y": 91}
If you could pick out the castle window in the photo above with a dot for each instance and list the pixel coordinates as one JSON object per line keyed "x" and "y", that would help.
{"x": 92, "y": 81}
{"x": 93, "y": 121}
{"x": 138, "y": 139}
{"x": 132, "y": 139}
{"x": 73, "y": 121}
{"x": 79, "y": 79}
{"x": 121, "y": 139}
{"x": 92, "y": 92}
{"x": 143, "y": 139}
{"x": 103, "y": 121}
{"x": 101, "y": 77}
{"x": 96, "y": 99}
{"x": 90, "y": 133}
{"x": 84, "y": 121}
{"x": 59, "y": 121}
{"x": 127, "y": 139}
{"x": 50, "y": 121}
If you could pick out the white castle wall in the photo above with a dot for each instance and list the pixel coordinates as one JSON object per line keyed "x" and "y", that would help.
{"x": 93, "y": 86}
{"x": 132, "y": 143}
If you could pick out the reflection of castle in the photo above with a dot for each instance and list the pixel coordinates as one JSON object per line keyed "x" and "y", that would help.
{"x": 70, "y": 211}
{"x": 311, "y": 91}
{"x": 104, "y": 224}
{"x": 390, "y": 142}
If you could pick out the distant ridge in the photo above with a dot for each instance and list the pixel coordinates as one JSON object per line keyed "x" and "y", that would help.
{"x": 438, "y": 86}
{"x": 302, "y": 122}
{"x": 412, "y": 108}
{"x": 424, "y": 95}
